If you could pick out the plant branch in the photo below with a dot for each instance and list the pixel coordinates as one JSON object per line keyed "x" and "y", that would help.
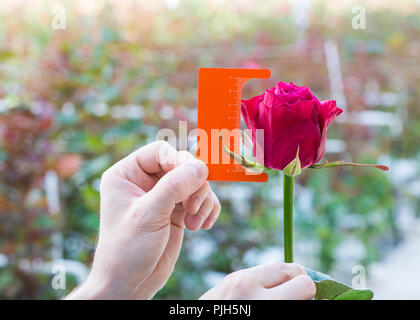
{"x": 327, "y": 164}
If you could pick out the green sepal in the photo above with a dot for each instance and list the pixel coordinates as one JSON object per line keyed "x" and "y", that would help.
{"x": 249, "y": 164}
{"x": 293, "y": 168}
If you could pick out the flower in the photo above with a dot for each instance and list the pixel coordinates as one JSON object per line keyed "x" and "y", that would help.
{"x": 295, "y": 125}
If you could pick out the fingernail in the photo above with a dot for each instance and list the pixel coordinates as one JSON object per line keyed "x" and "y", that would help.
{"x": 198, "y": 168}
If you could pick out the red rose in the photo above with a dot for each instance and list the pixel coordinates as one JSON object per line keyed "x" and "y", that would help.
{"x": 291, "y": 117}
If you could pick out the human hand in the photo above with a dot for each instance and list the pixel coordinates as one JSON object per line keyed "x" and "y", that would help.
{"x": 276, "y": 281}
{"x": 146, "y": 200}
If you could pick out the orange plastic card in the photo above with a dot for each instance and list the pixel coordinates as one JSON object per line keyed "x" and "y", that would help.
{"x": 219, "y": 115}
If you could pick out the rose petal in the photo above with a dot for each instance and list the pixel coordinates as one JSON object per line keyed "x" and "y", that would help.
{"x": 251, "y": 108}
{"x": 291, "y": 116}
{"x": 327, "y": 112}
{"x": 308, "y": 110}
{"x": 281, "y": 139}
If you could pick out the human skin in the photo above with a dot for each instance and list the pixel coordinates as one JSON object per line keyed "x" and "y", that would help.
{"x": 147, "y": 200}
{"x": 274, "y": 281}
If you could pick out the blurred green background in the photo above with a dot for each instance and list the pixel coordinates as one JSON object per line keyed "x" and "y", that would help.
{"x": 73, "y": 101}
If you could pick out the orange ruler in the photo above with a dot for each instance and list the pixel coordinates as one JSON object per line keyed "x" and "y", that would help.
{"x": 219, "y": 114}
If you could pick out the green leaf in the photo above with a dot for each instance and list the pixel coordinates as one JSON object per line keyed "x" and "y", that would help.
{"x": 329, "y": 289}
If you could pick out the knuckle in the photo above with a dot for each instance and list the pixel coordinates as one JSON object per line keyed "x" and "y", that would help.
{"x": 282, "y": 266}
{"x": 167, "y": 155}
{"x": 202, "y": 194}
{"x": 215, "y": 202}
{"x": 161, "y": 144}
{"x": 239, "y": 281}
{"x": 174, "y": 188}
{"x": 287, "y": 269}
{"x": 217, "y": 205}
{"x": 105, "y": 178}
{"x": 294, "y": 267}
{"x": 185, "y": 156}
{"x": 175, "y": 184}
{"x": 287, "y": 274}
{"x": 216, "y": 211}
{"x": 208, "y": 203}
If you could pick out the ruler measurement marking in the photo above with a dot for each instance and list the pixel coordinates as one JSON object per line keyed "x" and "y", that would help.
{"x": 233, "y": 102}
{"x": 229, "y": 108}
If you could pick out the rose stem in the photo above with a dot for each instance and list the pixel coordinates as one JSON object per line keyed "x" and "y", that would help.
{"x": 288, "y": 217}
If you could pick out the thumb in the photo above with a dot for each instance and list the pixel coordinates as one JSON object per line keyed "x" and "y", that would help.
{"x": 177, "y": 185}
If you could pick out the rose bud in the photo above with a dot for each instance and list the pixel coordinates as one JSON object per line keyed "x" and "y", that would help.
{"x": 295, "y": 126}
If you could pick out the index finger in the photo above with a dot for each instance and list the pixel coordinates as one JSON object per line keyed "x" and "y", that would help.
{"x": 153, "y": 158}
{"x": 141, "y": 166}
{"x": 273, "y": 274}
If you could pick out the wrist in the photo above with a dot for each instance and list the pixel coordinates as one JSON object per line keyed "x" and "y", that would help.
{"x": 93, "y": 288}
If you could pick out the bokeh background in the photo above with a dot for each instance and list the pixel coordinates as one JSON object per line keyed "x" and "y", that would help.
{"x": 73, "y": 101}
